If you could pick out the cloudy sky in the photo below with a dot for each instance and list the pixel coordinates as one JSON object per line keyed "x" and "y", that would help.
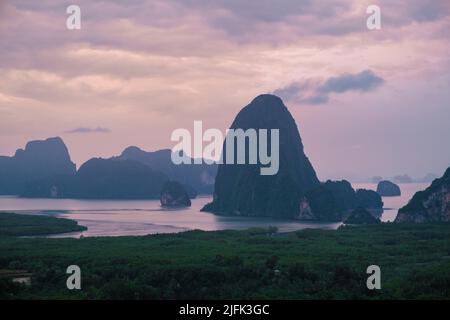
{"x": 366, "y": 102}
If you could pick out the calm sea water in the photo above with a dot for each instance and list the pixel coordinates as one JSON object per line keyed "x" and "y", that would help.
{"x": 122, "y": 218}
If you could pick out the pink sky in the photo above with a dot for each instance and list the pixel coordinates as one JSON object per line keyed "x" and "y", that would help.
{"x": 140, "y": 69}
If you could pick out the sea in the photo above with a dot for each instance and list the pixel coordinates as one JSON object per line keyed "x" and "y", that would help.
{"x": 112, "y": 218}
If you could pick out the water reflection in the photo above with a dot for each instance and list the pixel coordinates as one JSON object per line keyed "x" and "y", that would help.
{"x": 141, "y": 217}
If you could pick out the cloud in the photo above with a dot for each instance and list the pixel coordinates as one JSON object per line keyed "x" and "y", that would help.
{"x": 89, "y": 130}
{"x": 420, "y": 10}
{"x": 318, "y": 92}
{"x": 363, "y": 81}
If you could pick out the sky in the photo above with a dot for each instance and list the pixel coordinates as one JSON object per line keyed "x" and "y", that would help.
{"x": 367, "y": 102}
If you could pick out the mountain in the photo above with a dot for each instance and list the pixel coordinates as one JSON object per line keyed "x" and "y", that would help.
{"x": 387, "y": 188}
{"x": 376, "y": 179}
{"x": 39, "y": 159}
{"x": 430, "y": 205}
{"x": 110, "y": 179}
{"x": 44, "y": 169}
{"x": 102, "y": 179}
{"x": 403, "y": 178}
{"x": 369, "y": 199}
{"x": 198, "y": 176}
{"x": 334, "y": 200}
{"x": 428, "y": 178}
{"x": 242, "y": 190}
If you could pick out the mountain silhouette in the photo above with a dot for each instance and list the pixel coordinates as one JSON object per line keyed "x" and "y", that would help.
{"x": 39, "y": 159}
{"x": 102, "y": 179}
{"x": 198, "y": 176}
{"x": 335, "y": 200}
{"x": 242, "y": 190}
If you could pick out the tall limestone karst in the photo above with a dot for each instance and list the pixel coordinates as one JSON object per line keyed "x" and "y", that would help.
{"x": 242, "y": 190}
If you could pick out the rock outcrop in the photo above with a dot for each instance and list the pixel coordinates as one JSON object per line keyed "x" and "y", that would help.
{"x": 361, "y": 216}
{"x": 333, "y": 200}
{"x": 173, "y": 194}
{"x": 39, "y": 159}
{"x": 368, "y": 199}
{"x": 387, "y": 188}
{"x": 242, "y": 190}
{"x": 320, "y": 204}
{"x": 430, "y": 205}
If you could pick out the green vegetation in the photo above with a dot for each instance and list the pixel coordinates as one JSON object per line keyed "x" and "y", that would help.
{"x": 12, "y": 224}
{"x": 253, "y": 264}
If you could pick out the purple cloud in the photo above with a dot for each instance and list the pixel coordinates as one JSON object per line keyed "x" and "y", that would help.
{"x": 89, "y": 130}
{"x": 315, "y": 92}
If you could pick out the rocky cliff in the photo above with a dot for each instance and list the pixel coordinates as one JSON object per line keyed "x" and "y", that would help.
{"x": 242, "y": 190}
{"x": 334, "y": 200}
{"x": 430, "y": 205}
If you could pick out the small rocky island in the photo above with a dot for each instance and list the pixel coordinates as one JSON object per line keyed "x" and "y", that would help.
{"x": 430, "y": 205}
{"x": 173, "y": 195}
{"x": 387, "y": 188}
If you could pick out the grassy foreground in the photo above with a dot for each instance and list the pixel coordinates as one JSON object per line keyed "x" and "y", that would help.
{"x": 309, "y": 264}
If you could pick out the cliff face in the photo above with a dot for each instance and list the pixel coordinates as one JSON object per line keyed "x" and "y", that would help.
{"x": 242, "y": 190}
{"x": 430, "y": 205}
{"x": 334, "y": 200}
{"x": 38, "y": 160}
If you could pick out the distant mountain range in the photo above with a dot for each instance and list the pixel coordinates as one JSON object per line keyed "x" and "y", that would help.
{"x": 200, "y": 177}
{"x": 404, "y": 178}
{"x": 44, "y": 169}
{"x": 102, "y": 179}
{"x": 39, "y": 159}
